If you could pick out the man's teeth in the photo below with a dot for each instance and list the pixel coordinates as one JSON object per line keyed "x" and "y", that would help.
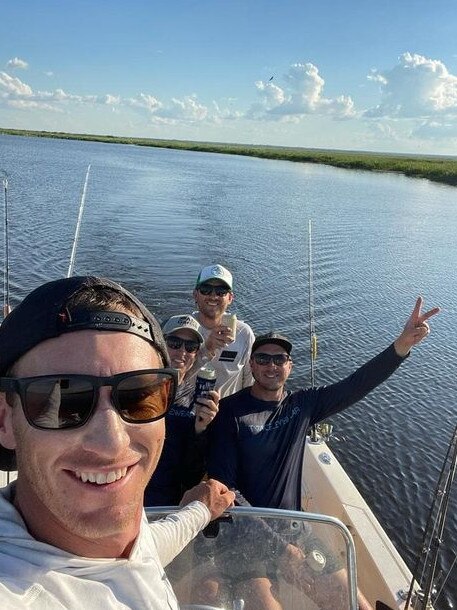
{"x": 101, "y": 478}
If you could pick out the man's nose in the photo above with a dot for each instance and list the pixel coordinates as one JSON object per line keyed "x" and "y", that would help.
{"x": 105, "y": 433}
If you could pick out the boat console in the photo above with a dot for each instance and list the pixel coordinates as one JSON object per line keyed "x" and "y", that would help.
{"x": 307, "y": 558}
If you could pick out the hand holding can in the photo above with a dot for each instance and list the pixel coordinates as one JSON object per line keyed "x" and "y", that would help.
{"x": 204, "y": 383}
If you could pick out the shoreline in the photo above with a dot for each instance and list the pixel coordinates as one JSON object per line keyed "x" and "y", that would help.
{"x": 436, "y": 169}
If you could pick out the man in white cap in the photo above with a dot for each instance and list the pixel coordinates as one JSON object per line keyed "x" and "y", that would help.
{"x": 228, "y": 355}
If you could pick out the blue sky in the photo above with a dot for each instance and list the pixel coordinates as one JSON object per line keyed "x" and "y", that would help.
{"x": 364, "y": 75}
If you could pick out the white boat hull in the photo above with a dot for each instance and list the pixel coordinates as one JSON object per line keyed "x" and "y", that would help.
{"x": 326, "y": 488}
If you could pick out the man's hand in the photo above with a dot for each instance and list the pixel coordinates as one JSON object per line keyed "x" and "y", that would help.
{"x": 206, "y": 409}
{"x": 214, "y": 494}
{"x": 219, "y": 337}
{"x": 416, "y": 329}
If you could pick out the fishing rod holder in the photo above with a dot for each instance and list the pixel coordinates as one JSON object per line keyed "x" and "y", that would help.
{"x": 322, "y": 432}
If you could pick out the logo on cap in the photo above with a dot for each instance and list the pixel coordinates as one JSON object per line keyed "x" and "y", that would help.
{"x": 187, "y": 321}
{"x": 217, "y": 270}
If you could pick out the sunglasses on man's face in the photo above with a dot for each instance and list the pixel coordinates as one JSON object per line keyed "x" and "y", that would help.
{"x": 207, "y": 289}
{"x": 57, "y": 402}
{"x": 175, "y": 342}
{"x": 264, "y": 359}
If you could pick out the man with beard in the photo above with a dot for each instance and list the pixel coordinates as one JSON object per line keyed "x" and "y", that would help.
{"x": 228, "y": 355}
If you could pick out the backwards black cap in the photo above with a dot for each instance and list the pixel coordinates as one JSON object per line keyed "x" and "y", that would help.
{"x": 272, "y": 337}
{"x": 43, "y": 314}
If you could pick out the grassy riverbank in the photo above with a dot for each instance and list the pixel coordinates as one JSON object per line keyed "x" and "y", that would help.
{"x": 438, "y": 169}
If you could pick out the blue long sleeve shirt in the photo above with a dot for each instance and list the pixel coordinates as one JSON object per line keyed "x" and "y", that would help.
{"x": 256, "y": 446}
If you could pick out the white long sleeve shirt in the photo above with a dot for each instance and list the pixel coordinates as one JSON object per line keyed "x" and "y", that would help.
{"x": 39, "y": 576}
{"x": 233, "y": 372}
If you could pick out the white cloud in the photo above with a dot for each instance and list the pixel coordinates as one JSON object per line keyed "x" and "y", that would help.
{"x": 17, "y": 63}
{"x": 27, "y": 104}
{"x": 187, "y": 109}
{"x": 144, "y": 101}
{"x": 224, "y": 114}
{"x": 435, "y": 130}
{"x": 49, "y": 74}
{"x": 417, "y": 87}
{"x": 302, "y": 94}
{"x": 110, "y": 100}
{"x": 13, "y": 87}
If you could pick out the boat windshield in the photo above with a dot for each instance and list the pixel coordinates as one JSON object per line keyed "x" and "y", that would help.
{"x": 304, "y": 560}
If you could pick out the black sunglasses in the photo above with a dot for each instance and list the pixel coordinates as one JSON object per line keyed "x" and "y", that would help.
{"x": 174, "y": 342}
{"x": 57, "y": 402}
{"x": 264, "y": 359}
{"x": 207, "y": 289}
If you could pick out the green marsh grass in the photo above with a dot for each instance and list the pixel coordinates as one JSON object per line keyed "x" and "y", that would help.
{"x": 435, "y": 168}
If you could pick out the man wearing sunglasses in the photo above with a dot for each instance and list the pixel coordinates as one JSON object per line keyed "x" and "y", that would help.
{"x": 229, "y": 356}
{"x": 257, "y": 440}
{"x": 85, "y": 384}
{"x": 183, "y": 460}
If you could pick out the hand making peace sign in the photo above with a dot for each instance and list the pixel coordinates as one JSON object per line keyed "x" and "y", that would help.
{"x": 416, "y": 329}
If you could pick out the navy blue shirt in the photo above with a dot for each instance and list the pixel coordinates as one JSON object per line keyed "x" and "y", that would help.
{"x": 256, "y": 446}
{"x": 182, "y": 463}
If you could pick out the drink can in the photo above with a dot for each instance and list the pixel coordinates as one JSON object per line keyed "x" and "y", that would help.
{"x": 229, "y": 319}
{"x": 205, "y": 381}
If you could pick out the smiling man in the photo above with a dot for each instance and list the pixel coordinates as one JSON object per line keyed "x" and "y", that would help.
{"x": 257, "y": 440}
{"x": 85, "y": 386}
{"x": 229, "y": 356}
{"x": 183, "y": 460}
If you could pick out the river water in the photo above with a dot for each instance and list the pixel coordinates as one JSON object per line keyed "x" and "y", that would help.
{"x": 154, "y": 217}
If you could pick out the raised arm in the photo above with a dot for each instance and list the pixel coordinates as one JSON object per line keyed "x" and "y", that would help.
{"x": 334, "y": 398}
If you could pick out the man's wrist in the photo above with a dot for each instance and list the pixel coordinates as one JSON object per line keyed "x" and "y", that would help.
{"x": 401, "y": 349}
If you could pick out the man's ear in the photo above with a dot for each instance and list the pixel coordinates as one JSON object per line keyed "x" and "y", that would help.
{"x": 232, "y": 296}
{"x": 195, "y": 294}
{"x": 6, "y": 424}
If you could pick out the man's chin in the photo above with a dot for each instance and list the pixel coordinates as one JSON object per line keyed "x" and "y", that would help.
{"x": 103, "y": 522}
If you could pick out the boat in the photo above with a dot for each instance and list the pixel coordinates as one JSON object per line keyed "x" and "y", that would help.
{"x": 225, "y": 550}
{"x": 336, "y": 512}
{"x": 332, "y": 508}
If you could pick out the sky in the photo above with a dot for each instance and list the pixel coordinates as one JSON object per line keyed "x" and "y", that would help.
{"x": 376, "y": 75}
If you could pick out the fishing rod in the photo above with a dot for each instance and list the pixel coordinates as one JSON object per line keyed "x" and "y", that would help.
{"x": 312, "y": 329}
{"x": 78, "y": 224}
{"x": 6, "y": 274}
{"x": 433, "y": 535}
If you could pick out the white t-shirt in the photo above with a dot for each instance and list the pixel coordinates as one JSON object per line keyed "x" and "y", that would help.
{"x": 233, "y": 372}
{"x": 39, "y": 576}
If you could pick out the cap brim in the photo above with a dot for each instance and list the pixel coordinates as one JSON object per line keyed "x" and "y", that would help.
{"x": 209, "y": 279}
{"x": 196, "y": 333}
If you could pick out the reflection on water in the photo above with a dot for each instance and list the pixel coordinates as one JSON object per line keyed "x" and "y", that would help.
{"x": 154, "y": 217}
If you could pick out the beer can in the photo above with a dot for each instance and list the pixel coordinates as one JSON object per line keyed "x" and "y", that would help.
{"x": 205, "y": 381}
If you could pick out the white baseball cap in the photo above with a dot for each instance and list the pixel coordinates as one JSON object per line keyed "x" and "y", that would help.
{"x": 178, "y": 322}
{"x": 215, "y": 272}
